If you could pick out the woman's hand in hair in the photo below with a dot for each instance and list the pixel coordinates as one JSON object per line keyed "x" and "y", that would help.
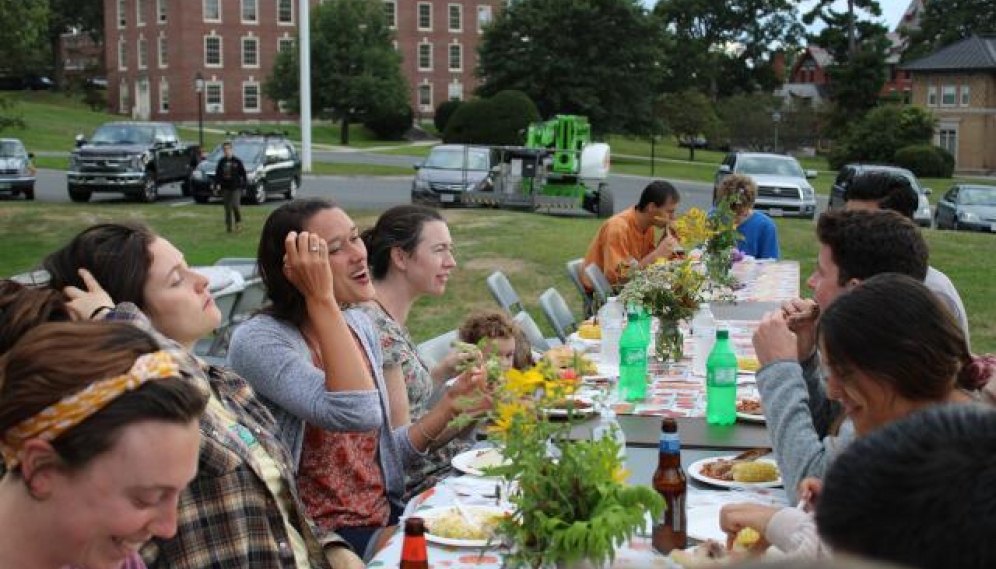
{"x": 88, "y": 304}
{"x": 306, "y": 265}
{"x": 773, "y": 340}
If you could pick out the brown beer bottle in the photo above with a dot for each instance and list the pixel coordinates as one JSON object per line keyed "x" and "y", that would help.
{"x": 413, "y": 554}
{"x": 670, "y": 532}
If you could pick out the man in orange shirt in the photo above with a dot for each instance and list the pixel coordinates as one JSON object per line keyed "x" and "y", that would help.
{"x": 628, "y": 237}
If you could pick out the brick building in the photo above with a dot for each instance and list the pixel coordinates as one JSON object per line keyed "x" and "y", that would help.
{"x": 154, "y": 50}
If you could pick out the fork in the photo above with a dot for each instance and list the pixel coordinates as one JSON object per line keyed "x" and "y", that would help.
{"x": 465, "y": 513}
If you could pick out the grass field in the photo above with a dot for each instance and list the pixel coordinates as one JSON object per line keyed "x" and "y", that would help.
{"x": 531, "y": 249}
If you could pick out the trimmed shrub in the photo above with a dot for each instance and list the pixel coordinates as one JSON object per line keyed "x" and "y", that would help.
{"x": 925, "y": 160}
{"x": 391, "y": 125}
{"x": 444, "y": 112}
{"x": 502, "y": 119}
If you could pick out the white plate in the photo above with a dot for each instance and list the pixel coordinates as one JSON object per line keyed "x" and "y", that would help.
{"x": 695, "y": 471}
{"x": 750, "y": 417}
{"x": 429, "y": 515}
{"x": 703, "y": 524}
{"x": 472, "y": 461}
{"x": 578, "y": 412}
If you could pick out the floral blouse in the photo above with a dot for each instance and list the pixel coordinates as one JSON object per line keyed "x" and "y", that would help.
{"x": 400, "y": 350}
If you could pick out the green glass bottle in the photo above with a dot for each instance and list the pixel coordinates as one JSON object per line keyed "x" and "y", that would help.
{"x": 721, "y": 382}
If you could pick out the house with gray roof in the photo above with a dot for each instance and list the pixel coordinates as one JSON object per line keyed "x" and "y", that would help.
{"x": 957, "y": 84}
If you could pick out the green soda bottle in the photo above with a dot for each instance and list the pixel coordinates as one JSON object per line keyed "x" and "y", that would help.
{"x": 721, "y": 382}
{"x": 633, "y": 359}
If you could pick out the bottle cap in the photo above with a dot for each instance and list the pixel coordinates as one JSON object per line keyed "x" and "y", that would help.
{"x": 414, "y": 526}
{"x": 669, "y": 425}
{"x": 722, "y": 334}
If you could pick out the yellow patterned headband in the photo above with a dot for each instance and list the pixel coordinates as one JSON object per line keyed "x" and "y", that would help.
{"x": 73, "y": 409}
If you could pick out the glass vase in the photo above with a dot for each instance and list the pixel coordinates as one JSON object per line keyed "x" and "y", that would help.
{"x": 719, "y": 264}
{"x": 670, "y": 342}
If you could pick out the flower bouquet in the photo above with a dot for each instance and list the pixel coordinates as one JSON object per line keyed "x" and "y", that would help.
{"x": 572, "y": 502}
{"x": 715, "y": 235}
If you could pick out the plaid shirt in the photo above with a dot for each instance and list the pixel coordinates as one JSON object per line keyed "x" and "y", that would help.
{"x": 227, "y": 516}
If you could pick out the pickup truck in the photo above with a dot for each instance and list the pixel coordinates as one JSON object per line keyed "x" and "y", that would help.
{"x": 134, "y": 158}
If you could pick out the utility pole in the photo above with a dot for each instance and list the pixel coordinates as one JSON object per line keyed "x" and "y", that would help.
{"x": 304, "y": 27}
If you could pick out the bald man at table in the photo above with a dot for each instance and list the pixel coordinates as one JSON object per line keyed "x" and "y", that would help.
{"x": 628, "y": 237}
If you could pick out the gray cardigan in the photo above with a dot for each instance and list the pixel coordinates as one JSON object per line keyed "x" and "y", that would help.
{"x": 799, "y": 414}
{"x": 273, "y": 356}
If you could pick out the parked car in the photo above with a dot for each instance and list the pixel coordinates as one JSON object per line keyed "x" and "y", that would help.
{"x": 17, "y": 173}
{"x": 922, "y": 214}
{"x": 272, "y": 165}
{"x": 967, "y": 206}
{"x": 783, "y": 188}
{"x": 449, "y": 171}
{"x": 134, "y": 158}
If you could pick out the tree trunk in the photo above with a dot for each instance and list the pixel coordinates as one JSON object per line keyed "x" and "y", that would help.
{"x": 344, "y": 131}
{"x": 55, "y": 43}
{"x": 691, "y": 150}
{"x": 850, "y": 30}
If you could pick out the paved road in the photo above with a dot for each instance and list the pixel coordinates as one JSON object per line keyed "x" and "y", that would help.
{"x": 365, "y": 193}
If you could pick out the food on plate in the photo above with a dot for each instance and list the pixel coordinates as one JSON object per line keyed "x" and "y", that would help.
{"x": 747, "y": 363}
{"x": 487, "y": 458}
{"x": 590, "y": 331}
{"x": 451, "y": 525}
{"x": 711, "y": 553}
{"x": 746, "y": 539}
{"x": 750, "y": 406}
{"x": 564, "y": 357}
{"x": 740, "y": 470}
{"x": 564, "y": 403}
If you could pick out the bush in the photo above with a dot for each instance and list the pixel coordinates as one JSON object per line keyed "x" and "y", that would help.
{"x": 391, "y": 125}
{"x": 444, "y": 112}
{"x": 502, "y": 119}
{"x": 926, "y": 161}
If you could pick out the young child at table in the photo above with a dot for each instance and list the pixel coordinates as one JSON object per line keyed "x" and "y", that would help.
{"x": 760, "y": 235}
{"x": 496, "y": 335}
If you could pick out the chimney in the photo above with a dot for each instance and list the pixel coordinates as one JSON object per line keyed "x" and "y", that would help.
{"x": 778, "y": 65}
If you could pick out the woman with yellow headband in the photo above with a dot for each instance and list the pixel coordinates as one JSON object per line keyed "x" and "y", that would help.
{"x": 99, "y": 435}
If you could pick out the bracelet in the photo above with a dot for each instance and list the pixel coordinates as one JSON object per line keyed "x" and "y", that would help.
{"x": 98, "y": 310}
{"x": 421, "y": 429}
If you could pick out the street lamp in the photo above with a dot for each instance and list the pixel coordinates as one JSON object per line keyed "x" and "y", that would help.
{"x": 199, "y": 88}
{"x": 776, "y": 117}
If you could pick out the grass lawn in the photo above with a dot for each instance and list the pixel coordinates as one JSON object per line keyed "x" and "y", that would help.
{"x": 531, "y": 249}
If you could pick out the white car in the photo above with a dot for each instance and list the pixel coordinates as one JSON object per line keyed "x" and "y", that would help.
{"x": 17, "y": 174}
{"x": 783, "y": 187}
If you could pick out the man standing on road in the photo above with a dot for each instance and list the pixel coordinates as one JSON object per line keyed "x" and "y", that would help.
{"x": 628, "y": 237}
{"x": 230, "y": 176}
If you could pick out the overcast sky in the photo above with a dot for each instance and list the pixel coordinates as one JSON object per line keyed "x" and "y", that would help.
{"x": 892, "y": 10}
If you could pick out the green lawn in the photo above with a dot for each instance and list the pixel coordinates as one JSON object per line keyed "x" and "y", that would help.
{"x": 531, "y": 249}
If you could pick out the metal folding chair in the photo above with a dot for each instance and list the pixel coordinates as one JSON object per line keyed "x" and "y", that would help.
{"x": 503, "y": 292}
{"x": 432, "y": 351}
{"x": 557, "y": 313}
{"x": 574, "y": 271}
{"x": 532, "y": 332}
{"x": 603, "y": 290}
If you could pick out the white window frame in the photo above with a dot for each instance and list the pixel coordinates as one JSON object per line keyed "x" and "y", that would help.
{"x": 122, "y": 10}
{"x": 454, "y": 91}
{"x": 161, "y": 14}
{"x": 259, "y": 97}
{"x": 162, "y": 51}
{"x": 245, "y": 41}
{"x": 932, "y": 95}
{"x": 418, "y": 16}
{"x": 391, "y": 11}
{"x": 451, "y": 10}
{"x": 255, "y": 12}
{"x": 281, "y": 42}
{"x": 965, "y": 95}
{"x": 122, "y": 54}
{"x": 287, "y": 22}
{"x": 419, "y": 53}
{"x": 422, "y": 89}
{"x": 124, "y": 98}
{"x": 221, "y": 50}
{"x": 947, "y": 138}
{"x": 163, "y": 95}
{"x": 141, "y": 53}
{"x": 450, "y": 50}
{"x": 204, "y": 11}
{"x": 208, "y": 105}
{"x": 140, "y": 8}
{"x": 481, "y": 22}
{"x": 949, "y": 90}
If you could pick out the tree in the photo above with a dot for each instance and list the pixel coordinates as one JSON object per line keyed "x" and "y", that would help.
{"x": 823, "y": 10}
{"x": 947, "y": 21}
{"x": 355, "y": 70}
{"x": 64, "y": 15}
{"x": 7, "y": 117}
{"x": 597, "y": 58}
{"x": 722, "y": 47}
{"x": 879, "y": 134}
{"x": 22, "y": 36}
{"x": 747, "y": 120}
{"x": 689, "y": 115}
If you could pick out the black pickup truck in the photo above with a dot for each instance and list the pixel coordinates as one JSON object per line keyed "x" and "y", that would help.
{"x": 134, "y": 158}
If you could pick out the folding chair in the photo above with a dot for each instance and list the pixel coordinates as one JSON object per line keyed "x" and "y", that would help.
{"x": 503, "y": 292}
{"x": 244, "y": 265}
{"x": 218, "y": 343}
{"x": 532, "y": 332}
{"x": 557, "y": 313}
{"x": 603, "y": 290}
{"x": 432, "y": 351}
{"x": 574, "y": 271}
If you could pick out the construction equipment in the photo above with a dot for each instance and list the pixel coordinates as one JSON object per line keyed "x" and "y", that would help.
{"x": 558, "y": 170}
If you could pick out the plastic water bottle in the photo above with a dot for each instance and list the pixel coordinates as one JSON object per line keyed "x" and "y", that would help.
{"x": 611, "y": 320}
{"x": 607, "y": 427}
{"x": 721, "y": 382}
{"x": 704, "y": 333}
{"x": 633, "y": 359}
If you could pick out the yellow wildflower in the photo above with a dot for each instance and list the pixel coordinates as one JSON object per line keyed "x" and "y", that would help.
{"x": 523, "y": 383}
{"x": 507, "y": 414}
{"x": 620, "y": 475}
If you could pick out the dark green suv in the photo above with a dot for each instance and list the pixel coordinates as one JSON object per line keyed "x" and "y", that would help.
{"x": 272, "y": 165}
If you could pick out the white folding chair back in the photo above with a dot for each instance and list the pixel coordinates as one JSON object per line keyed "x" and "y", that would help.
{"x": 557, "y": 313}
{"x": 245, "y": 265}
{"x": 603, "y": 290}
{"x": 574, "y": 271}
{"x": 504, "y": 294}
{"x": 252, "y": 298}
{"x": 532, "y": 332}
{"x": 218, "y": 344}
{"x": 433, "y": 351}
